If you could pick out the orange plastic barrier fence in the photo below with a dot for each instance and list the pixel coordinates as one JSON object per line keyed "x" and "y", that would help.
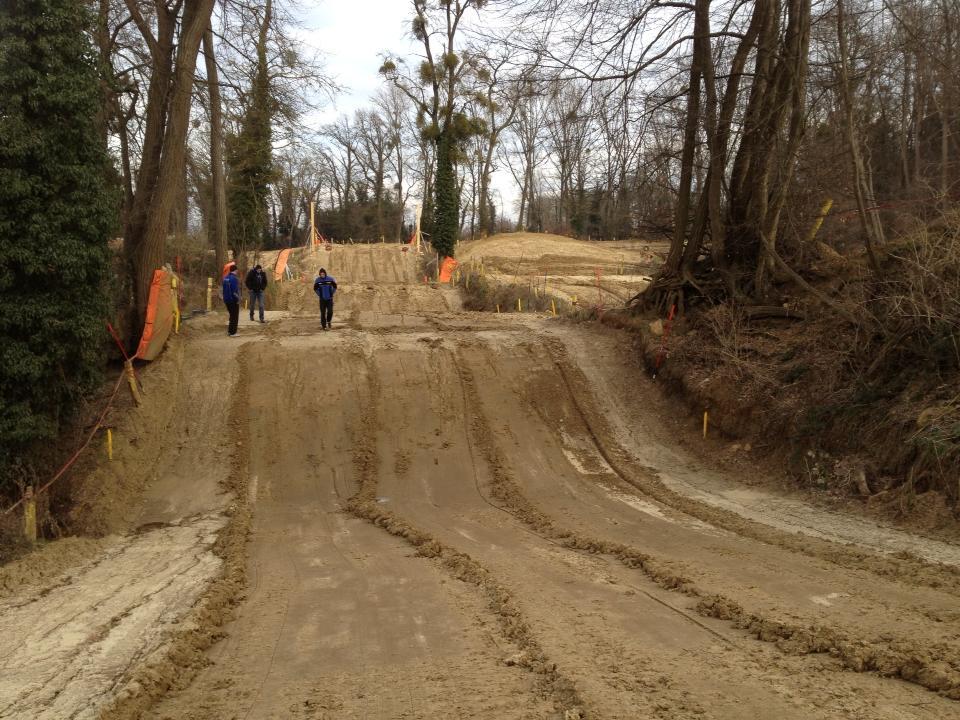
{"x": 159, "y": 320}
{"x": 446, "y": 269}
{"x": 281, "y": 264}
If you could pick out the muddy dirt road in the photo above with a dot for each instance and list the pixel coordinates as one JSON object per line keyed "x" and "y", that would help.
{"x": 461, "y": 515}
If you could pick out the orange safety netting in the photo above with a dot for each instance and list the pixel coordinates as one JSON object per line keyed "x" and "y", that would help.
{"x": 281, "y": 264}
{"x": 446, "y": 269}
{"x": 159, "y": 320}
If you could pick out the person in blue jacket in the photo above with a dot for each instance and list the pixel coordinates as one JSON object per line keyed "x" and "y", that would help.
{"x": 325, "y": 286}
{"x": 231, "y": 298}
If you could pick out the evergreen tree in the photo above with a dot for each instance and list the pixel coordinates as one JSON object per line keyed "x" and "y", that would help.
{"x": 57, "y": 210}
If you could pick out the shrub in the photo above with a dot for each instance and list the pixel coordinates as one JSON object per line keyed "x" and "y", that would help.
{"x": 57, "y": 210}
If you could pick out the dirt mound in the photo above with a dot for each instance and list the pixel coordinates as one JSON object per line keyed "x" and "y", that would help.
{"x": 585, "y": 273}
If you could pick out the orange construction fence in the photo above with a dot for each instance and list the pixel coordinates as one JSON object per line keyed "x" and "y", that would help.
{"x": 447, "y": 266}
{"x": 160, "y": 316}
{"x": 281, "y": 265}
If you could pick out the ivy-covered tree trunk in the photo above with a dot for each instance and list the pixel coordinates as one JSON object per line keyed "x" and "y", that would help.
{"x": 57, "y": 210}
{"x": 446, "y": 211}
{"x": 251, "y": 156}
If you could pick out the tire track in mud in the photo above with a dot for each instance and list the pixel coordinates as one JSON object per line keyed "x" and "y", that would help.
{"x": 911, "y": 570}
{"x": 183, "y": 656}
{"x": 501, "y": 602}
{"x": 910, "y": 663}
{"x": 519, "y": 507}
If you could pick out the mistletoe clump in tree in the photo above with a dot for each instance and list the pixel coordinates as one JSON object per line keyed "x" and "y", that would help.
{"x": 57, "y": 210}
{"x": 440, "y": 94}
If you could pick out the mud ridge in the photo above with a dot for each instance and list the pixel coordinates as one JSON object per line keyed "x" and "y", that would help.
{"x": 459, "y": 565}
{"x": 183, "y": 655}
{"x": 911, "y": 570}
{"x": 900, "y": 660}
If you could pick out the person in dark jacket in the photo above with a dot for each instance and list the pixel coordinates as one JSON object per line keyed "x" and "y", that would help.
{"x": 256, "y": 283}
{"x": 231, "y": 298}
{"x": 325, "y": 286}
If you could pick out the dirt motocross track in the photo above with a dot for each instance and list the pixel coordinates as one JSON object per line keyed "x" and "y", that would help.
{"x": 429, "y": 513}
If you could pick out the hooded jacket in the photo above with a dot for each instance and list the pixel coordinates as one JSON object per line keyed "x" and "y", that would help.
{"x": 325, "y": 287}
{"x": 231, "y": 288}
{"x": 256, "y": 280}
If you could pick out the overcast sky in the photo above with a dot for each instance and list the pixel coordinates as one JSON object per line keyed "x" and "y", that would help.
{"x": 353, "y": 35}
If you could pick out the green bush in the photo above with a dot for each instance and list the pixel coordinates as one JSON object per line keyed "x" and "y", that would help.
{"x": 57, "y": 209}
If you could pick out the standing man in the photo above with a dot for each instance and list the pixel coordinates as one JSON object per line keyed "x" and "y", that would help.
{"x": 256, "y": 283}
{"x": 325, "y": 286}
{"x": 231, "y": 298}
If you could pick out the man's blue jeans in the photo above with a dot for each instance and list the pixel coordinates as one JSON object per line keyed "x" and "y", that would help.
{"x": 256, "y": 296}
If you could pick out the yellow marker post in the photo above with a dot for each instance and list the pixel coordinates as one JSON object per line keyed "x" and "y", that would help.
{"x": 553, "y": 306}
{"x": 29, "y": 515}
{"x": 132, "y": 381}
{"x": 498, "y": 308}
{"x": 209, "y": 294}
{"x": 174, "y": 299}
{"x": 109, "y": 444}
{"x": 519, "y": 306}
{"x": 706, "y": 421}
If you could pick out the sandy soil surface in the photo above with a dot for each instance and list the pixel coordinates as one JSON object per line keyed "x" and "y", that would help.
{"x": 588, "y": 273}
{"x": 435, "y": 513}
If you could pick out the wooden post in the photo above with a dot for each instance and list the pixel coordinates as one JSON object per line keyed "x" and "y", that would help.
{"x": 313, "y": 230}
{"x": 29, "y": 515}
{"x": 176, "y": 305}
{"x": 417, "y": 227}
{"x": 209, "y": 294}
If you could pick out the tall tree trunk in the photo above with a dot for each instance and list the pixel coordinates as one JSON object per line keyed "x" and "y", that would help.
{"x": 149, "y": 247}
{"x": 681, "y": 218}
{"x": 869, "y": 222}
{"x": 218, "y": 185}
